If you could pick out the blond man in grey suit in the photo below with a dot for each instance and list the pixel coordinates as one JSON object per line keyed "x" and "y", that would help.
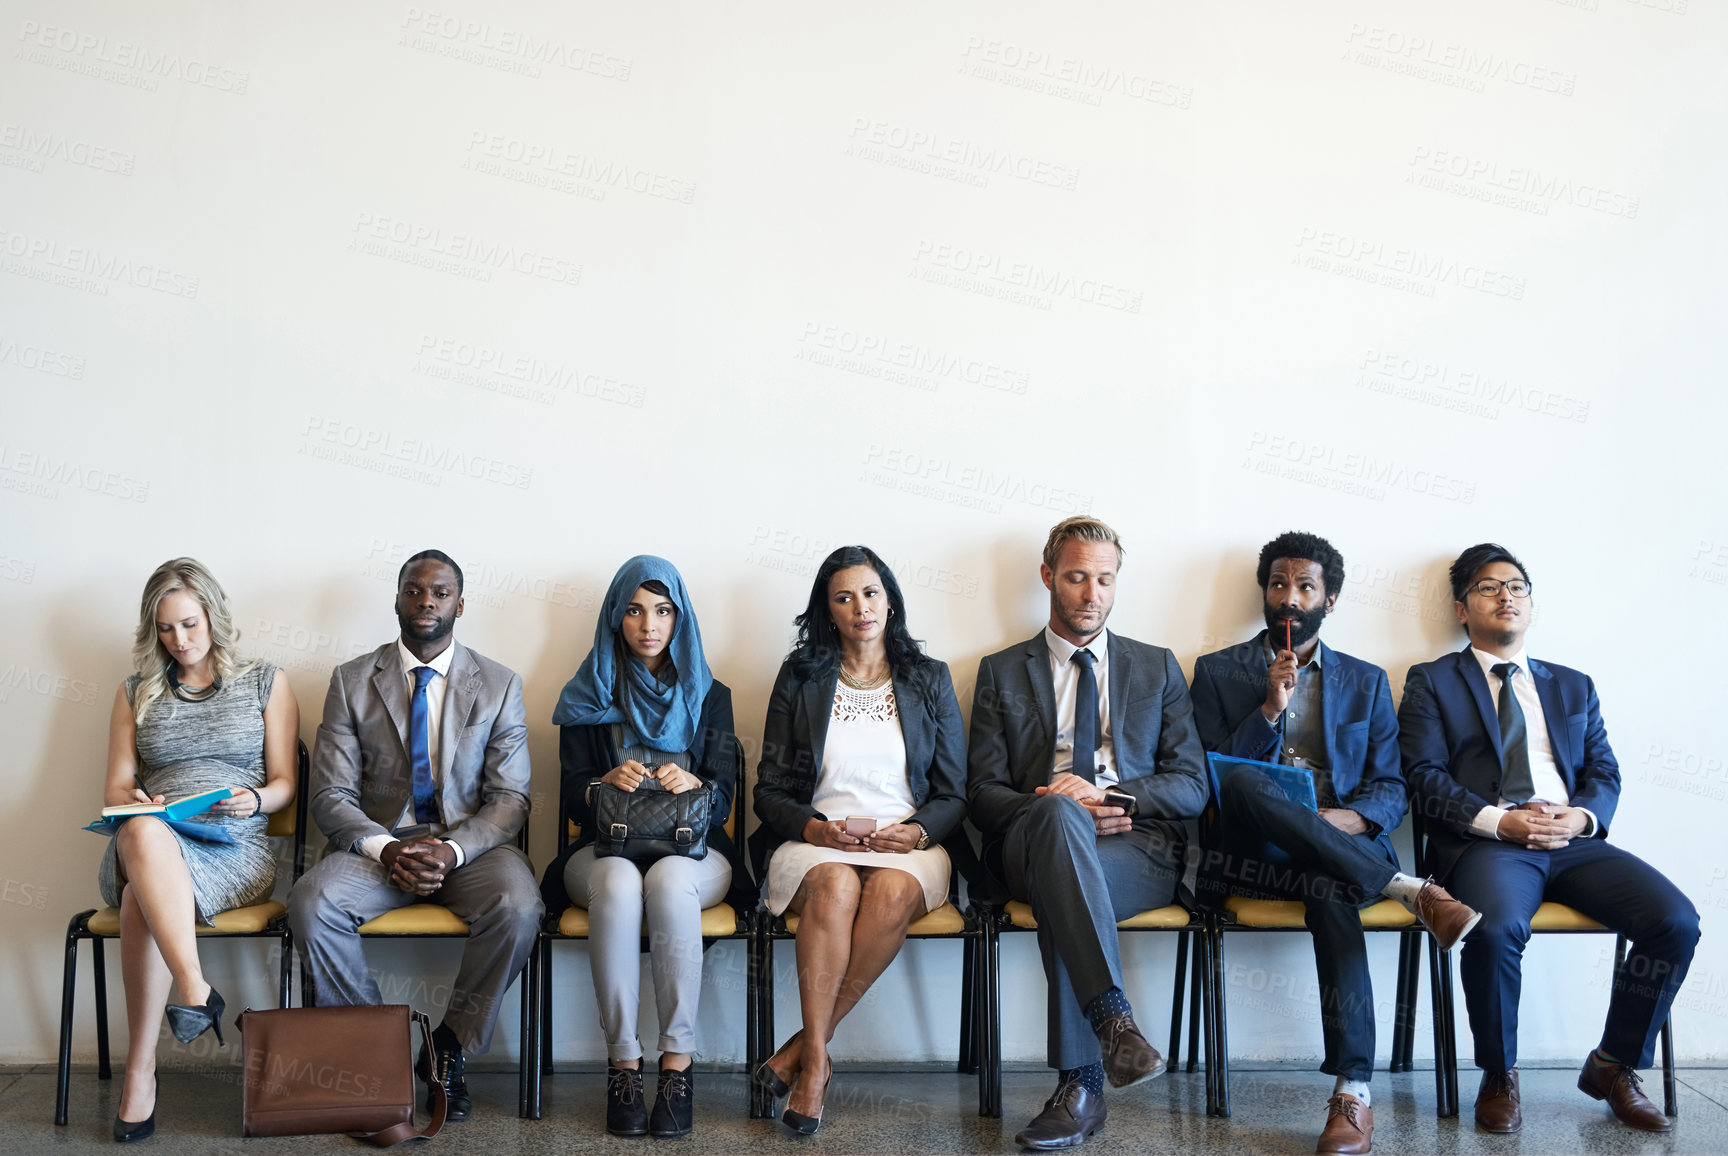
{"x": 420, "y": 780}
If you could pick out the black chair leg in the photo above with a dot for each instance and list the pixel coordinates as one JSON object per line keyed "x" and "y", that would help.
{"x": 1221, "y": 1030}
{"x": 1670, "y": 1102}
{"x": 1412, "y": 985}
{"x": 1175, "y": 1049}
{"x": 544, "y": 1035}
{"x": 992, "y": 1017}
{"x": 1197, "y": 993}
{"x": 968, "y": 1063}
{"x": 528, "y": 1055}
{"x": 68, "y": 1001}
{"x": 1400, "y": 1008}
{"x": 284, "y": 975}
{"x": 99, "y": 978}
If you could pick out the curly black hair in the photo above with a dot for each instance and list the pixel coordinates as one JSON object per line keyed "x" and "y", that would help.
{"x": 816, "y": 653}
{"x": 1308, "y": 547}
{"x": 435, "y": 556}
{"x": 1474, "y": 560}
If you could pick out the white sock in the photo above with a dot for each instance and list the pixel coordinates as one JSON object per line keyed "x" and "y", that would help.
{"x": 1403, "y": 888}
{"x": 1357, "y": 1088}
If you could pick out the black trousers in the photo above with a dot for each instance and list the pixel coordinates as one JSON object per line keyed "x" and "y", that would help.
{"x": 1266, "y": 847}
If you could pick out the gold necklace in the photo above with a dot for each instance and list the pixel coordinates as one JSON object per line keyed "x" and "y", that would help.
{"x": 857, "y": 683}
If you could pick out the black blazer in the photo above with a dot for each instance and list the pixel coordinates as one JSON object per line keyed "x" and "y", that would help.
{"x": 1159, "y": 759}
{"x": 586, "y": 753}
{"x": 797, "y": 729}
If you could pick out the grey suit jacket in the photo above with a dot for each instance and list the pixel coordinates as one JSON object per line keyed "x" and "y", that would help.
{"x": 362, "y": 779}
{"x": 1013, "y": 739}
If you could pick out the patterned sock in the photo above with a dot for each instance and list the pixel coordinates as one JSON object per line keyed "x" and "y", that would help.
{"x": 1357, "y": 1088}
{"x": 1106, "y": 1004}
{"x": 1602, "y": 1057}
{"x": 1403, "y": 888}
{"x": 1091, "y": 1077}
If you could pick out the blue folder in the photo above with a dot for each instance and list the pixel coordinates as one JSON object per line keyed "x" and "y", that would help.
{"x": 1297, "y": 783}
{"x": 178, "y": 815}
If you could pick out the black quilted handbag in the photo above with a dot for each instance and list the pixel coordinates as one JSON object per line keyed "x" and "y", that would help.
{"x": 647, "y": 824}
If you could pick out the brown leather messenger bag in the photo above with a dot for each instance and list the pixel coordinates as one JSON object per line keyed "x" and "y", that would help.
{"x": 337, "y": 1069}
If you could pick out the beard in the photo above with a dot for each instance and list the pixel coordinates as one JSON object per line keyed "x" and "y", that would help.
{"x": 1304, "y": 624}
{"x": 439, "y": 629}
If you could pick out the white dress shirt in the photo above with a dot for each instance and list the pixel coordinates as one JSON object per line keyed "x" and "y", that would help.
{"x": 1544, "y": 773}
{"x": 373, "y": 845}
{"x": 1065, "y": 673}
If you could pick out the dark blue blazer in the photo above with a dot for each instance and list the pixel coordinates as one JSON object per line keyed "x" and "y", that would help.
{"x": 797, "y": 731}
{"x": 1356, "y": 714}
{"x": 1449, "y": 733}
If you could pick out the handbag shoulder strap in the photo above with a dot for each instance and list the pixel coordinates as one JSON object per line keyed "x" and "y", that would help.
{"x": 399, "y": 1133}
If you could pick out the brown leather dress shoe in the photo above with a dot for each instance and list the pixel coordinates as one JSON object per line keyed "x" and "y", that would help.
{"x": 1620, "y": 1086}
{"x": 1128, "y": 1058}
{"x": 1069, "y": 1116}
{"x": 1497, "y": 1104}
{"x": 1349, "y": 1127}
{"x": 1446, "y": 919}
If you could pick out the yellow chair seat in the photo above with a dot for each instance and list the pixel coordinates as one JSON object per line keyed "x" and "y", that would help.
{"x": 945, "y": 920}
{"x": 1559, "y": 917}
{"x": 239, "y": 921}
{"x": 416, "y": 919}
{"x": 718, "y": 920}
{"x": 1175, "y": 915}
{"x": 1275, "y": 913}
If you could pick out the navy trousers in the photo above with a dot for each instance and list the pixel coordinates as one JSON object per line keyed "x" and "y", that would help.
{"x": 1507, "y": 882}
{"x": 1270, "y": 848}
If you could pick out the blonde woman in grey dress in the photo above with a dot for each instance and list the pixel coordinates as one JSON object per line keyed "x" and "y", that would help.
{"x": 193, "y": 718}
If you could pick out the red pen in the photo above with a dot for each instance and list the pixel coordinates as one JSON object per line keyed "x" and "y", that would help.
{"x": 1287, "y": 645}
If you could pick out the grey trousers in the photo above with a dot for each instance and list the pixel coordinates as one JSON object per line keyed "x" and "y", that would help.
{"x": 1078, "y": 886}
{"x": 616, "y": 892}
{"x": 494, "y": 894}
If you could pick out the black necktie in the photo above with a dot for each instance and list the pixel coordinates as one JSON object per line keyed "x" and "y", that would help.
{"x": 1516, "y": 785}
{"x": 1085, "y": 718}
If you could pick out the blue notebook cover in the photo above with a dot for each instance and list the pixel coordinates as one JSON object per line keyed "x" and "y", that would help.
{"x": 177, "y": 815}
{"x": 1297, "y": 783}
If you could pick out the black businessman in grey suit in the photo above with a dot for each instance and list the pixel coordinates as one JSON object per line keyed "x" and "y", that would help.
{"x": 1057, "y": 721}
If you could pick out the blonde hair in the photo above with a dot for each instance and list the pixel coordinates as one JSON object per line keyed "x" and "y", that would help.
{"x": 1079, "y": 528}
{"x": 152, "y": 660}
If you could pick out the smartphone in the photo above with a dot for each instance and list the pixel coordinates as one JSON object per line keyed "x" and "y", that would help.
{"x": 860, "y": 826}
{"x": 1121, "y": 799}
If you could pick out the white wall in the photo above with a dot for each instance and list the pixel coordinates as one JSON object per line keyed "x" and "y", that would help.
{"x": 280, "y": 290}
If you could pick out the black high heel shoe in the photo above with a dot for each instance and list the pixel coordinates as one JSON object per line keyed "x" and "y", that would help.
{"x": 768, "y": 1078}
{"x": 798, "y": 1121}
{"x": 126, "y": 1131}
{"x": 191, "y": 1021}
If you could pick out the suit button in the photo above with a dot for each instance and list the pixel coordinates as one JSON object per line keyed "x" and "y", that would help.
{"x": 1495, "y": 785}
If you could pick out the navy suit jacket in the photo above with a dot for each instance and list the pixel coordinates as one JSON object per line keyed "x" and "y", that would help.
{"x": 1449, "y": 732}
{"x": 796, "y": 733}
{"x": 1356, "y": 714}
{"x": 1158, "y": 755}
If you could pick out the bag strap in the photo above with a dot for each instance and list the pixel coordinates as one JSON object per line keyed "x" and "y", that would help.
{"x": 400, "y": 1133}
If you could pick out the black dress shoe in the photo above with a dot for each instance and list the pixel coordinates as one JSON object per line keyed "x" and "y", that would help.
{"x": 451, "y": 1070}
{"x": 768, "y": 1078}
{"x": 674, "y": 1112}
{"x": 1068, "y": 1118}
{"x": 626, "y": 1111}
{"x": 126, "y": 1131}
{"x": 797, "y": 1121}
{"x": 190, "y": 1021}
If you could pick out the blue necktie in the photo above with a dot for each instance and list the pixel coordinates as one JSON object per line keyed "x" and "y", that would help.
{"x": 1085, "y": 718}
{"x": 420, "y": 751}
{"x": 1516, "y": 785}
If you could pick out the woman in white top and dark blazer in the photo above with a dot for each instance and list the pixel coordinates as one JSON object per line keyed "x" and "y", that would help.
{"x": 860, "y": 717}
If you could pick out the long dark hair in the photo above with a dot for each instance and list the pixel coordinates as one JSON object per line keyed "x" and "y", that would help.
{"x": 816, "y": 654}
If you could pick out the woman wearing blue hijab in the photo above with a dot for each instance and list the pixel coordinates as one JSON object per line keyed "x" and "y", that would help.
{"x": 642, "y": 713}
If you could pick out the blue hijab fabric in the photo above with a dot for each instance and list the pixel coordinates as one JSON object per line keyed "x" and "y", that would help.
{"x": 660, "y": 717}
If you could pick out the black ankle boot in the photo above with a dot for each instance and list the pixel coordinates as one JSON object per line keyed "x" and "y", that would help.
{"x": 674, "y": 1104}
{"x": 626, "y": 1111}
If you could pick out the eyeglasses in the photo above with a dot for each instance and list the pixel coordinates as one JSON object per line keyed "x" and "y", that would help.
{"x": 1490, "y": 588}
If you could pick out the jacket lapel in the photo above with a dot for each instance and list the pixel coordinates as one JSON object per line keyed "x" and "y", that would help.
{"x": 1554, "y": 718}
{"x": 387, "y": 680}
{"x": 1331, "y": 686}
{"x": 914, "y": 723}
{"x": 1121, "y": 678}
{"x": 818, "y": 705}
{"x": 1044, "y": 692}
{"x": 1471, "y": 672}
{"x": 459, "y": 697}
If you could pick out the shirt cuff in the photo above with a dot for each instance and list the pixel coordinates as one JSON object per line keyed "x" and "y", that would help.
{"x": 1592, "y": 826}
{"x": 372, "y": 846}
{"x": 461, "y": 857}
{"x": 1487, "y": 822}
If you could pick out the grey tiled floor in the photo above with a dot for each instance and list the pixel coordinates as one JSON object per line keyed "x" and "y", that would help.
{"x": 1273, "y": 1111}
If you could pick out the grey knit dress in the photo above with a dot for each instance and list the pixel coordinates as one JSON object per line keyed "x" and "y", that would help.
{"x": 186, "y": 748}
